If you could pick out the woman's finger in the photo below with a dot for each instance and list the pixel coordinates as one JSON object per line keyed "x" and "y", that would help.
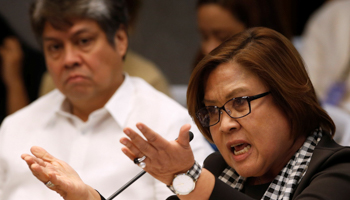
{"x": 132, "y": 150}
{"x": 184, "y": 137}
{"x": 152, "y": 137}
{"x": 128, "y": 153}
{"x": 141, "y": 145}
{"x": 131, "y": 153}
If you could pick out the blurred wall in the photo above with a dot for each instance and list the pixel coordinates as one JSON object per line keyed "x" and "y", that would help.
{"x": 166, "y": 33}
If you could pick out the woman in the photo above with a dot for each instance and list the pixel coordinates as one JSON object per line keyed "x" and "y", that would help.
{"x": 219, "y": 19}
{"x": 253, "y": 98}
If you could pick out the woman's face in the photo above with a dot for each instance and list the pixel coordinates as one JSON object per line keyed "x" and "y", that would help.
{"x": 259, "y": 144}
{"x": 216, "y": 24}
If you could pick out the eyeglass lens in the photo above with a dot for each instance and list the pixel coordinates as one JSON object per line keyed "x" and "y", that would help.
{"x": 236, "y": 108}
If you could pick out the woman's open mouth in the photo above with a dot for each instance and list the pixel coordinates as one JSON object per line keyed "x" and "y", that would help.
{"x": 239, "y": 149}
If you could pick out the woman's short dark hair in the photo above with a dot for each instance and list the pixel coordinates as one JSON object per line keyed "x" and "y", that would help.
{"x": 109, "y": 14}
{"x": 278, "y": 64}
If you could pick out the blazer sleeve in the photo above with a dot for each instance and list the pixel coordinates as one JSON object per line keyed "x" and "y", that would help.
{"x": 328, "y": 176}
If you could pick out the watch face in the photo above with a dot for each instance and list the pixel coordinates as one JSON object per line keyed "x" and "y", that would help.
{"x": 183, "y": 184}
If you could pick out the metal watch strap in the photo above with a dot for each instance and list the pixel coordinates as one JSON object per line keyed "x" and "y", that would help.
{"x": 194, "y": 173}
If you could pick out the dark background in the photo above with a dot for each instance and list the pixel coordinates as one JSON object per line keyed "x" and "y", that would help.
{"x": 165, "y": 33}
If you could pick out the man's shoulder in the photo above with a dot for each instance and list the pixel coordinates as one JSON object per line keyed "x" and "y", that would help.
{"x": 146, "y": 92}
{"x": 154, "y": 107}
{"x": 40, "y": 108}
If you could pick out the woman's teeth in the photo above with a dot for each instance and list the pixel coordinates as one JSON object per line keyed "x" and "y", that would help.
{"x": 242, "y": 151}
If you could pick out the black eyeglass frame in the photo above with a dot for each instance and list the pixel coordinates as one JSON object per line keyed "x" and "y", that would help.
{"x": 249, "y": 99}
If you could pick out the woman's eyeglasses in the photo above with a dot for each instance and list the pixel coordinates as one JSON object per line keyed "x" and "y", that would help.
{"x": 236, "y": 108}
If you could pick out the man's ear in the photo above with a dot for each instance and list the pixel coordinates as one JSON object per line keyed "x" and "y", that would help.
{"x": 121, "y": 40}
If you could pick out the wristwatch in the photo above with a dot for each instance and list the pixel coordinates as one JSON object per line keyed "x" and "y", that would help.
{"x": 185, "y": 183}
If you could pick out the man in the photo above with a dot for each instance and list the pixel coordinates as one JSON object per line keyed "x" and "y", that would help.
{"x": 134, "y": 64}
{"x": 84, "y": 42}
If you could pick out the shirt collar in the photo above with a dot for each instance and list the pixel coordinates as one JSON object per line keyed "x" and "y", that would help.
{"x": 119, "y": 105}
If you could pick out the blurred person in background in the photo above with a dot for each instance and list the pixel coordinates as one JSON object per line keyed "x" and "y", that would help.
{"x": 136, "y": 64}
{"x": 21, "y": 69}
{"x": 326, "y": 52}
{"x": 325, "y": 48}
{"x": 220, "y": 19}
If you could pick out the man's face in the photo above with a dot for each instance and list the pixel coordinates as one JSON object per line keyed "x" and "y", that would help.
{"x": 83, "y": 65}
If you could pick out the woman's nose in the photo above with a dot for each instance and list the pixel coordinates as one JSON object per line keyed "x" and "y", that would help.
{"x": 227, "y": 123}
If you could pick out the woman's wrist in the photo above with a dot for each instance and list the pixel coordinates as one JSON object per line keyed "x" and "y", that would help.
{"x": 184, "y": 183}
{"x": 204, "y": 187}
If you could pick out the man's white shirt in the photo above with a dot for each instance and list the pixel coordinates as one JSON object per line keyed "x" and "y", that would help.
{"x": 92, "y": 148}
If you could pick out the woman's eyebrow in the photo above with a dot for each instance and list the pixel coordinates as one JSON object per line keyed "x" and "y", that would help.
{"x": 233, "y": 94}
{"x": 205, "y": 101}
{"x": 236, "y": 93}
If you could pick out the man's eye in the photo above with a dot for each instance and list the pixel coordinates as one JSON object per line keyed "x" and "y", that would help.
{"x": 84, "y": 41}
{"x": 54, "y": 47}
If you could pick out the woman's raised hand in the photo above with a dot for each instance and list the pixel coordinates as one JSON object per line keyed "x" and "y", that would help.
{"x": 164, "y": 158}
